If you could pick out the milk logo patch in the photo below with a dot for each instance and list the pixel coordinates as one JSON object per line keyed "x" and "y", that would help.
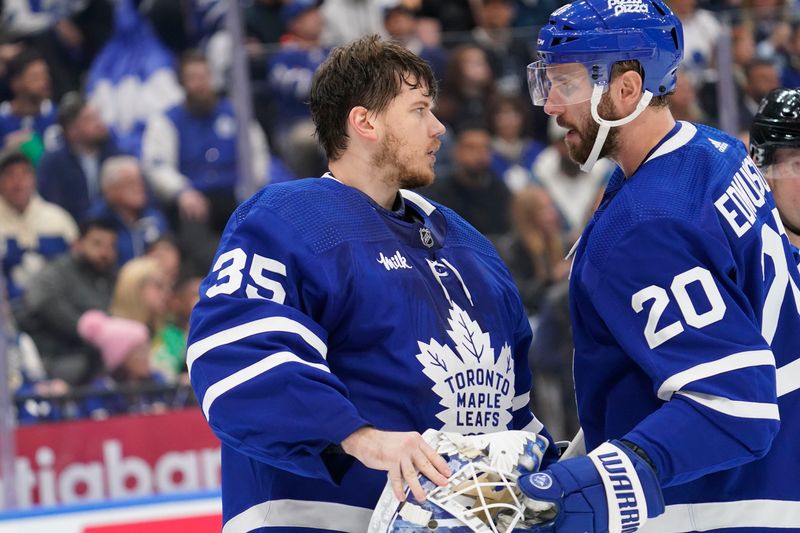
{"x": 476, "y": 385}
{"x": 628, "y": 6}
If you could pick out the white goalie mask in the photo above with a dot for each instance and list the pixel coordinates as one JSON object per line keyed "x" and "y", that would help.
{"x": 481, "y": 496}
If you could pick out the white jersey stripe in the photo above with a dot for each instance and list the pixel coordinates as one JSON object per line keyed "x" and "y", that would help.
{"x": 534, "y": 426}
{"x": 788, "y": 377}
{"x": 681, "y": 138}
{"x": 520, "y": 402}
{"x": 417, "y": 200}
{"x": 247, "y": 373}
{"x": 264, "y": 325}
{"x": 297, "y": 513}
{"x": 778, "y": 514}
{"x": 712, "y": 368}
{"x": 734, "y": 407}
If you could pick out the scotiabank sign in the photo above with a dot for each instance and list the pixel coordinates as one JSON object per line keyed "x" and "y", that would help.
{"x": 118, "y": 458}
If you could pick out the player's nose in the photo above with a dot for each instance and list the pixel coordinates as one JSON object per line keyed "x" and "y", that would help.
{"x": 553, "y": 108}
{"x": 437, "y": 129}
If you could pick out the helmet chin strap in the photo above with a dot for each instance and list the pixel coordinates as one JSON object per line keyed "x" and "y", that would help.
{"x": 606, "y": 125}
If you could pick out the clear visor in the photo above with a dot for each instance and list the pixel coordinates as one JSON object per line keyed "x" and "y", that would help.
{"x": 785, "y": 165}
{"x": 559, "y": 84}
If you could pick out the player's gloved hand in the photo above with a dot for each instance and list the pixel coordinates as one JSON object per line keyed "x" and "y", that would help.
{"x": 610, "y": 490}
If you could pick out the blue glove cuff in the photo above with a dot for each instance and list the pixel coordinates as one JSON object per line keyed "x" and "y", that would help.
{"x": 612, "y": 489}
{"x": 631, "y": 488}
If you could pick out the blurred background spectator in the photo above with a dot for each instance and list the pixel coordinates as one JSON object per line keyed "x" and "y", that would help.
{"x": 126, "y": 205}
{"x": 165, "y": 251}
{"x": 67, "y": 33}
{"x": 27, "y": 119}
{"x": 573, "y": 192}
{"x": 289, "y": 72}
{"x": 472, "y": 190}
{"x": 513, "y": 152}
{"x": 534, "y": 249}
{"x": 169, "y": 344}
{"x": 124, "y": 346}
{"x": 142, "y": 293}
{"x": 69, "y": 175}
{"x": 64, "y": 290}
{"x": 467, "y": 88}
{"x": 190, "y": 156}
{"x": 507, "y": 51}
{"x": 33, "y": 231}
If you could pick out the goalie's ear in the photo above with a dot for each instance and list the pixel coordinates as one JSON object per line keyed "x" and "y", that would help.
{"x": 485, "y": 469}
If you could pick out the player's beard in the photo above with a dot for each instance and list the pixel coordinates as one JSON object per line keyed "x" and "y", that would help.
{"x": 588, "y": 133}
{"x": 404, "y": 171}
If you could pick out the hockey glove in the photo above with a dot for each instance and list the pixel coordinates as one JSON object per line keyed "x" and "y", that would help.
{"x": 610, "y": 490}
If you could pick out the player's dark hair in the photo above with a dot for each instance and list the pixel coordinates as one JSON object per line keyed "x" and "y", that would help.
{"x": 369, "y": 72}
{"x": 621, "y": 67}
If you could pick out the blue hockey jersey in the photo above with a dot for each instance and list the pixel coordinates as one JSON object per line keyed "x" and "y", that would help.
{"x": 684, "y": 300}
{"x": 325, "y": 313}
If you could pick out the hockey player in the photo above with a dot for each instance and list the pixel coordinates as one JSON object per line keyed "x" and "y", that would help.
{"x": 775, "y": 148}
{"x": 684, "y": 298}
{"x": 345, "y": 315}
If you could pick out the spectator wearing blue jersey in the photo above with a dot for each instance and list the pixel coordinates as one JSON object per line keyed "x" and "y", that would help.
{"x": 125, "y": 205}
{"x": 683, "y": 298}
{"x": 32, "y": 231}
{"x": 790, "y": 73}
{"x": 70, "y": 174}
{"x": 513, "y": 152}
{"x": 190, "y": 158}
{"x": 289, "y": 73}
{"x": 26, "y": 119}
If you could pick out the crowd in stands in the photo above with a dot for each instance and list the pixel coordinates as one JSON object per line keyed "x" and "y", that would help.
{"x": 119, "y": 165}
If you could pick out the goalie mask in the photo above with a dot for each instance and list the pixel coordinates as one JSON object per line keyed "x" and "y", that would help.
{"x": 481, "y": 496}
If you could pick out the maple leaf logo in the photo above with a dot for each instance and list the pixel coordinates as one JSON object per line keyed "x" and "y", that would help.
{"x": 476, "y": 388}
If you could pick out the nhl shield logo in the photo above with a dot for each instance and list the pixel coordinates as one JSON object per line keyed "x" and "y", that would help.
{"x": 426, "y": 236}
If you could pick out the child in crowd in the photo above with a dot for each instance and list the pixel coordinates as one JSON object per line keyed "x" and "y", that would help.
{"x": 125, "y": 349}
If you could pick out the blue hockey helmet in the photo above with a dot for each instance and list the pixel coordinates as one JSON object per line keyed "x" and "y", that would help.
{"x": 595, "y": 34}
